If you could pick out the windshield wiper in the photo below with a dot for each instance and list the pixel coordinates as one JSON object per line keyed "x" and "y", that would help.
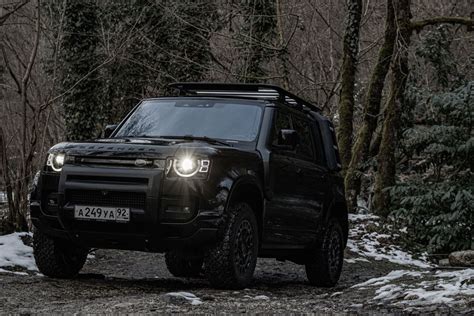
{"x": 203, "y": 138}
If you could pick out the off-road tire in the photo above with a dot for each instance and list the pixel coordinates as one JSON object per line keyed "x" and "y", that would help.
{"x": 182, "y": 267}
{"x": 57, "y": 258}
{"x": 230, "y": 264}
{"x": 323, "y": 268}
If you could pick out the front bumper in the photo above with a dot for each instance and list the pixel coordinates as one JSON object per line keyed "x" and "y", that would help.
{"x": 148, "y": 195}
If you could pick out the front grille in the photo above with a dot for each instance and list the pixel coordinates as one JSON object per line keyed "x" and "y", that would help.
{"x": 107, "y": 179}
{"x": 106, "y": 198}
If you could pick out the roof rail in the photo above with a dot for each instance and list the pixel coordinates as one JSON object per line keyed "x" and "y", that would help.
{"x": 252, "y": 90}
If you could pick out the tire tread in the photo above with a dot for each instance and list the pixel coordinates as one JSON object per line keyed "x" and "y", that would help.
{"x": 52, "y": 260}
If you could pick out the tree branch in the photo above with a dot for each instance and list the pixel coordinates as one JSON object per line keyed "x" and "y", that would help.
{"x": 6, "y": 15}
{"x": 24, "y": 86}
{"x": 419, "y": 25}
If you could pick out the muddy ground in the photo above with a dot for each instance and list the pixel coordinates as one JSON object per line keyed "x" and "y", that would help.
{"x": 133, "y": 282}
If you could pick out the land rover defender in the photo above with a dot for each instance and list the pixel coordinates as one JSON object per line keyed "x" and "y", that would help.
{"x": 214, "y": 177}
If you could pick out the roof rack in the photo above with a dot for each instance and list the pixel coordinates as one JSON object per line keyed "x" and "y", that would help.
{"x": 249, "y": 90}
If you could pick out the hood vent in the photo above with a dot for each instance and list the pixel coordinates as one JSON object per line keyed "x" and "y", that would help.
{"x": 121, "y": 162}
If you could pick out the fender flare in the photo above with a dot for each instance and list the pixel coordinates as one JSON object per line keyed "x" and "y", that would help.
{"x": 338, "y": 209}
{"x": 243, "y": 180}
{"x": 259, "y": 210}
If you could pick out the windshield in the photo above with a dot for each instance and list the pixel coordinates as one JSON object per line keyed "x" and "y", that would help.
{"x": 228, "y": 120}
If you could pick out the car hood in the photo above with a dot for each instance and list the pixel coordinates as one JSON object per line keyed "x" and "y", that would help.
{"x": 145, "y": 148}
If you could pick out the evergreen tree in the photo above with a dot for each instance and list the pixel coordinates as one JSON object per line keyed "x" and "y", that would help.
{"x": 81, "y": 86}
{"x": 434, "y": 198}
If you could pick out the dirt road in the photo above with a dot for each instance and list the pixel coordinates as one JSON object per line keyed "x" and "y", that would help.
{"x": 133, "y": 282}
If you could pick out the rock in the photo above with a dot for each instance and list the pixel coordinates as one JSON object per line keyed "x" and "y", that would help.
{"x": 179, "y": 298}
{"x": 444, "y": 262}
{"x": 462, "y": 258}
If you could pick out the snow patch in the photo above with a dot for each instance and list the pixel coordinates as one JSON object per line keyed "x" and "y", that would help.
{"x": 258, "y": 297}
{"x": 356, "y": 305}
{"x": 396, "y": 274}
{"x": 14, "y": 253}
{"x": 353, "y": 260}
{"x": 450, "y": 287}
{"x": 13, "y": 272}
{"x": 376, "y": 245}
{"x": 358, "y": 217}
{"x": 362, "y": 204}
{"x": 388, "y": 292}
{"x": 190, "y": 297}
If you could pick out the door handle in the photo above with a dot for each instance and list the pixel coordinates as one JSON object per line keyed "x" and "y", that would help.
{"x": 299, "y": 170}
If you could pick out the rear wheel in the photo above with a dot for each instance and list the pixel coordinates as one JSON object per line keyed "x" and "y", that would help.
{"x": 324, "y": 267}
{"x": 231, "y": 262}
{"x": 180, "y": 266}
{"x": 57, "y": 258}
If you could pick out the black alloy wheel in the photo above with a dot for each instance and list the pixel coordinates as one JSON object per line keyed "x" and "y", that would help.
{"x": 230, "y": 263}
{"x": 324, "y": 266}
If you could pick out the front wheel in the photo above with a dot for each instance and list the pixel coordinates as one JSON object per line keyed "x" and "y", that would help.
{"x": 324, "y": 267}
{"x": 231, "y": 262}
{"x": 57, "y": 258}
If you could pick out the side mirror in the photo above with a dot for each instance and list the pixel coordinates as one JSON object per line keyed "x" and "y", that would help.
{"x": 109, "y": 129}
{"x": 288, "y": 139}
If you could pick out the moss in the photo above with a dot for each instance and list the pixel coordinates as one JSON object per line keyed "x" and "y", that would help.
{"x": 386, "y": 163}
{"x": 348, "y": 72}
{"x": 360, "y": 151}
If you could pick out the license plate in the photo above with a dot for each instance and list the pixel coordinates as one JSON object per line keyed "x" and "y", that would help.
{"x": 99, "y": 213}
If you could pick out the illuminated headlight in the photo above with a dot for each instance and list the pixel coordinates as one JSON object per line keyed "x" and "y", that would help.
{"x": 56, "y": 161}
{"x": 189, "y": 166}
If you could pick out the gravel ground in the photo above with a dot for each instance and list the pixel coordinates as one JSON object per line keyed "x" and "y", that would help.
{"x": 133, "y": 282}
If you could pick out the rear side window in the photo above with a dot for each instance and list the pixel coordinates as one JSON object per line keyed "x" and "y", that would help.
{"x": 318, "y": 145}
{"x": 283, "y": 121}
{"x": 305, "y": 149}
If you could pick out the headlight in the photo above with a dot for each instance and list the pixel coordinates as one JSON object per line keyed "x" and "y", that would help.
{"x": 56, "y": 161}
{"x": 189, "y": 166}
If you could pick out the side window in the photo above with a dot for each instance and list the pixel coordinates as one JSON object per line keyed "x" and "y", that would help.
{"x": 283, "y": 121}
{"x": 305, "y": 149}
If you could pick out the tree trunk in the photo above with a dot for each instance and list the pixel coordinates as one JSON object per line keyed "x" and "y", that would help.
{"x": 82, "y": 109}
{"x": 6, "y": 179}
{"x": 386, "y": 164}
{"x": 283, "y": 50}
{"x": 348, "y": 72}
{"x": 372, "y": 102}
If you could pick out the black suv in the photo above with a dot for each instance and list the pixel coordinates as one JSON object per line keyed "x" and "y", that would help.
{"x": 214, "y": 177}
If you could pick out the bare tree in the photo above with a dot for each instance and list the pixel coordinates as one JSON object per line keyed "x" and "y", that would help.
{"x": 10, "y": 10}
{"x": 371, "y": 109}
{"x": 17, "y": 175}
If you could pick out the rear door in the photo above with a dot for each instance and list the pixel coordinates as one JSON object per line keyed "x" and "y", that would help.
{"x": 278, "y": 231}
{"x": 310, "y": 185}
